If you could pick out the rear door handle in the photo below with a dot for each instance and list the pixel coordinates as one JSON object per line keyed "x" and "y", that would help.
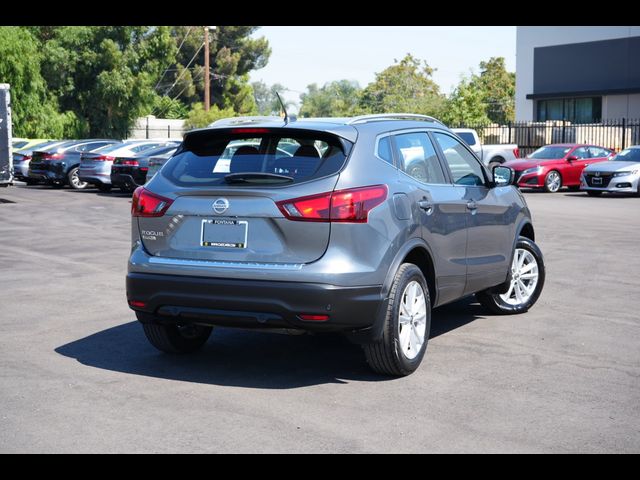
{"x": 472, "y": 205}
{"x": 426, "y": 205}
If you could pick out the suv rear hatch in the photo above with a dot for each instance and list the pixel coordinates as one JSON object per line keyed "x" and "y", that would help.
{"x": 216, "y": 199}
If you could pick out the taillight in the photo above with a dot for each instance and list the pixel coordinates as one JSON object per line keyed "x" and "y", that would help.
{"x": 103, "y": 158}
{"x": 352, "y": 205}
{"x": 147, "y": 204}
{"x": 130, "y": 163}
{"x": 516, "y": 152}
{"x": 52, "y": 156}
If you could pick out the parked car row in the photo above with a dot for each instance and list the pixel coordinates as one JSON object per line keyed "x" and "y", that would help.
{"x": 79, "y": 163}
{"x": 590, "y": 168}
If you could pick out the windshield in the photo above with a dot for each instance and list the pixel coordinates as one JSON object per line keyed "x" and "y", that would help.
{"x": 214, "y": 158}
{"x": 628, "y": 155}
{"x": 550, "y": 153}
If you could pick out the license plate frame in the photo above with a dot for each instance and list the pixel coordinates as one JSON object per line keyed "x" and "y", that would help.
{"x": 596, "y": 181}
{"x": 212, "y": 227}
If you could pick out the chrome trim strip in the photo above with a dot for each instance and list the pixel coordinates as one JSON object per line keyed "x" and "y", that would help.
{"x": 219, "y": 264}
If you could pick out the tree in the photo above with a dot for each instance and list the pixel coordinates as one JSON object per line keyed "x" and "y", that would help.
{"x": 198, "y": 118}
{"x": 466, "y": 105}
{"x": 334, "y": 99}
{"x": 104, "y": 75}
{"x": 266, "y": 99}
{"x": 34, "y": 112}
{"x": 405, "y": 87}
{"x": 233, "y": 54}
{"x": 498, "y": 90}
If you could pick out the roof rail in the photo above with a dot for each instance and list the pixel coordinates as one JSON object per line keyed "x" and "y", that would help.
{"x": 393, "y": 116}
{"x": 249, "y": 120}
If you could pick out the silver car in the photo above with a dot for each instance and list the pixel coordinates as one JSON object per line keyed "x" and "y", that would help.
{"x": 619, "y": 175}
{"x": 361, "y": 226}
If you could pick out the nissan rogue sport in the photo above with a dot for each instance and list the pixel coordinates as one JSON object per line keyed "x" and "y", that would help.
{"x": 359, "y": 225}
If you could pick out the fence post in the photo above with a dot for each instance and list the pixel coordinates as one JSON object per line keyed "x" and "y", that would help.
{"x": 564, "y": 125}
{"x": 147, "y": 129}
{"x": 624, "y": 133}
{"x": 168, "y": 131}
{"x": 509, "y": 132}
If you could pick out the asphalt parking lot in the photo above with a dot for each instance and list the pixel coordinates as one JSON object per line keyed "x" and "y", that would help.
{"x": 78, "y": 375}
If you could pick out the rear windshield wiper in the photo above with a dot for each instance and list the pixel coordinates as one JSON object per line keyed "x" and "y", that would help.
{"x": 257, "y": 177}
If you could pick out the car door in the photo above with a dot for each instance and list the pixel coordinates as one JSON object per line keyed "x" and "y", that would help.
{"x": 573, "y": 169}
{"x": 490, "y": 217}
{"x": 439, "y": 209}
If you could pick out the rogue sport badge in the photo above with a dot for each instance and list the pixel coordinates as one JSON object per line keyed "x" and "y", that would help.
{"x": 220, "y": 205}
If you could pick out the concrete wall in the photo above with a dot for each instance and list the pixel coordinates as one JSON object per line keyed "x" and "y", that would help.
{"x": 152, "y": 127}
{"x": 528, "y": 38}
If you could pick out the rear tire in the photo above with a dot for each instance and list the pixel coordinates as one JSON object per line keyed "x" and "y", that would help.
{"x": 495, "y": 162}
{"x": 74, "y": 180}
{"x": 594, "y": 193}
{"x": 126, "y": 189}
{"x": 553, "y": 182}
{"x": 406, "y": 327}
{"x": 176, "y": 339}
{"x": 522, "y": 293}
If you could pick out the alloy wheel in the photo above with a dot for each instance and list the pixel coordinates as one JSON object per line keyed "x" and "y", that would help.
{"x": 412, "y": 323}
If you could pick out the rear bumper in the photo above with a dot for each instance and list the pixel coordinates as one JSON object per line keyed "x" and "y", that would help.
{"x": 125, "y": 180}
{"x": 253, "y": 303}
{"x": 94, "y": 177}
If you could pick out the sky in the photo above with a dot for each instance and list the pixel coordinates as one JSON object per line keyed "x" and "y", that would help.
{"x": 314, "y": 54}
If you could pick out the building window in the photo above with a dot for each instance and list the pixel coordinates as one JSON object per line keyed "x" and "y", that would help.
{"x": 574, "y": 110}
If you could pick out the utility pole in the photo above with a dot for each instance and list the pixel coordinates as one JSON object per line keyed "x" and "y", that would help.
{"x": 207, "y": 84}
{"x": 207, "y": 81}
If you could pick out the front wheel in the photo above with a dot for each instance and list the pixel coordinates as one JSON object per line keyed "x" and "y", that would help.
{"x": 407, "y": 325}
{"x": 526, "y": 280}
{"x": 74, "y": 180}
{"x": 552, "y": 182}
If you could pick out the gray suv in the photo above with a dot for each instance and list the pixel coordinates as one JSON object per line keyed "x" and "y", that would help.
{"x": 359, "y": 225}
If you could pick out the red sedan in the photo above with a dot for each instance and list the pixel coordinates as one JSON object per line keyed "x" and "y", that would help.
{"x": 555, "y": 166}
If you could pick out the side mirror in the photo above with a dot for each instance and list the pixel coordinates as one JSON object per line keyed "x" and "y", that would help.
{"x": 572, "y": 158}
{"x": 503, "y": 176}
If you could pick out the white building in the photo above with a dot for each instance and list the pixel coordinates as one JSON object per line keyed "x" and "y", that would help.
{"x": 580, "y": 74}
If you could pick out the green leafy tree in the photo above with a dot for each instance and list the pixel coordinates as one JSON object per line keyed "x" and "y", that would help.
{"x": 104, "y": 75}
{"x": 34, "y": 112}
{"x": 465, "y": 106}
{"x": 334, "y": 99}
{"x": 498, "y": 88}
{"x": 233, "y": 54}
{"x": 405, "y": 87}
{"x": 266, "y": 99}
{"x": 199, "y": 118}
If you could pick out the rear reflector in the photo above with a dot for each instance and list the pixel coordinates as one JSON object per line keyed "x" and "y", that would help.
{"x": 137, "y": 304}
{"x": 313, "y": 318}
{"x": 352, "y": 205}
{"x": 147, "y": 204}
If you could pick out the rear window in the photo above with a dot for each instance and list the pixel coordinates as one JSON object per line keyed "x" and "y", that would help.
{"x": 228, "y": 157}
{"x": 467, "y": 137}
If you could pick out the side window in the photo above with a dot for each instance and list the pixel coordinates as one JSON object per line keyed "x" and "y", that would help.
{"x": 597, "y": 152}
{"x": 581, "y": 153}
{"x": 465, "y": 169}
{"x": 384, "y": 150}
{"x": 418, "y": 158}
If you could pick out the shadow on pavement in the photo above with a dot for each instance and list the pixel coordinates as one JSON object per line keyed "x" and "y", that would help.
{"x": 245, "y": 358}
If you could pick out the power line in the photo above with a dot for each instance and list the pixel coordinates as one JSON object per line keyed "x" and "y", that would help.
{"x": 177, "y": 53}
{"x": 186, "y": 68}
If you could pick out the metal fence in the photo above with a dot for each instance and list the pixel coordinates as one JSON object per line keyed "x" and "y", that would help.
{"x": 529, "y": 136}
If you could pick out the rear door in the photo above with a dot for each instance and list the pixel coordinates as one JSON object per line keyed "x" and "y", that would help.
{"x": 489, "y": 216}
{"x": 437, "y": 207}
{"x": 225, "y": 185}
